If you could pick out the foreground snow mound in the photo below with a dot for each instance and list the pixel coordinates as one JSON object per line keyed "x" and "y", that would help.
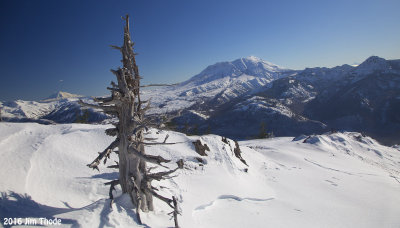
{"x": 337, "y": 180}
{"x": 359, "y": 146}
{"x": 333, "y": 180}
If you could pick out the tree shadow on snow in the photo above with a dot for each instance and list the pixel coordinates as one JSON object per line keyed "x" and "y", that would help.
{"x": 107, "y": 176}
{"x": 14, "y": 205}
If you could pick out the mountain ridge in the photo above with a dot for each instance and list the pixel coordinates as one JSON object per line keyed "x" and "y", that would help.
{"x": 289, "y": 102}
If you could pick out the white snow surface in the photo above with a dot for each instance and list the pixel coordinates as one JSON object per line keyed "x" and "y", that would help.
{"x": 336, "y": 180}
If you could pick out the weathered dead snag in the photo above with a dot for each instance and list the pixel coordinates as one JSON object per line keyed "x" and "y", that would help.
{"x": 125, "y": 104}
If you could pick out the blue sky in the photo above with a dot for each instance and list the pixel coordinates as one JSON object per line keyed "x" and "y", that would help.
{"x": 47, "y": 46}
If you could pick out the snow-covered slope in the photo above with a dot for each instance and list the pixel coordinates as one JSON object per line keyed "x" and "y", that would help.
{"x": 362, "y": 98}
{"x": 336, "y": 180}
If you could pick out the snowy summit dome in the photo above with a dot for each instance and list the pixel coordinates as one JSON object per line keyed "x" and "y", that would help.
{"x": 251, "y": 65}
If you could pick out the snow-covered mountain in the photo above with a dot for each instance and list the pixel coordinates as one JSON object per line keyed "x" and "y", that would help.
{"x": 331, "y": 180}
{"x": 251, "y": 66}
{"x": 361, "y": 98}
{"x": 235, "y": 98}
{"x": 225, "y": 81}
{"x": 217, "y": 84}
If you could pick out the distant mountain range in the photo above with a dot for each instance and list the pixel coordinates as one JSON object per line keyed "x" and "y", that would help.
{"x": 238, "y": 98}
{"x": 61, "y": 107}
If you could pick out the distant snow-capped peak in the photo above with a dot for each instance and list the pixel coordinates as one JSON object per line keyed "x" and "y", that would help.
{"x": 62, "y": 95}
{"x": 251, "y": 65}
{"x": 253, "y": 62}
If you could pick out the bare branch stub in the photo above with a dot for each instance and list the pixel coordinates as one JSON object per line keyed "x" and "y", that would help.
{"x": 160, "y": 175}
{"x": 112, "y": 184}
{"x": 104, "y": 154}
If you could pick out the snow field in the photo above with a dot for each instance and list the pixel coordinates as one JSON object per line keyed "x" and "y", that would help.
{"x": 336, "y": 180}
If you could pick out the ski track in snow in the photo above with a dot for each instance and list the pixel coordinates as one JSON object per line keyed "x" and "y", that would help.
{"x": 324, "y": 167}
{"x": 229, "y": 197}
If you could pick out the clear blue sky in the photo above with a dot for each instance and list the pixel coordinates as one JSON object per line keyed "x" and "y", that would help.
{"x": 47, "y": 46}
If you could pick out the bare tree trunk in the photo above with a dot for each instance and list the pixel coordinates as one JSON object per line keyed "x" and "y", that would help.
{"x": 125, "y": 103}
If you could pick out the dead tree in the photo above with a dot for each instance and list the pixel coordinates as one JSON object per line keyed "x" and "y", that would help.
{"x": 125, "y": 103}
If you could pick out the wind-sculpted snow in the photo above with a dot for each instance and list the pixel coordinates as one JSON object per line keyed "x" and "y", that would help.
{"x": 331, "y": 180}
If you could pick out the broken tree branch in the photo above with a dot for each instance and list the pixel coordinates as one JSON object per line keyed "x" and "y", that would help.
{"x": 112, "y": 184}
{"x": 155, "y": 85}
{"x": 106, "y": 152}
{"x": 149, "y": 158}
{"x": 165, "y": 199}
{"x": 104, "y": 108}
{"x": 160, "y": 175}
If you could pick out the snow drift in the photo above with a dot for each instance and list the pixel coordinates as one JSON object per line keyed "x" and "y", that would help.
{"x": 332, "y": 180}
